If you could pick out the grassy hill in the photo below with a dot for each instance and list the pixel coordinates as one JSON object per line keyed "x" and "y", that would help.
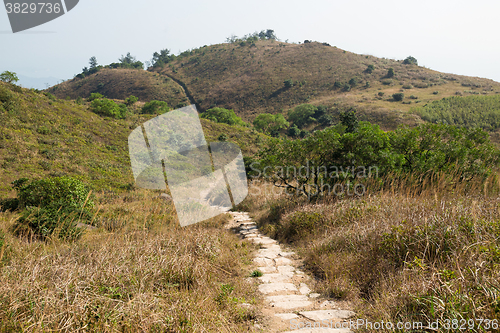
{"x": 42, "y": 135}
{"x": 120, "y": 83}
{"x": 249, "y": 77}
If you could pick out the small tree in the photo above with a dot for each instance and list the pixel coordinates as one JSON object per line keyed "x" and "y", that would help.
{"x": 269, "y": 123}
{"x": 9, "y": 77}
{"x": 93, "y": 62}
{"x": 153, "y": 107}
{"x": 369, "y": 69}
{"x": 221, "y": 115}
{"x": 288, "y": 83}
{"x": 131, "y": 100}
{"x": 410, "y": 61}
{"x": 398, "y": 96}
{"x": 349, "y": 120}
{"x": 107, "y": 107}
{"x": 294, "y": 131}
{"x": 390, "y": 72}
{"x": 302, "y": 115}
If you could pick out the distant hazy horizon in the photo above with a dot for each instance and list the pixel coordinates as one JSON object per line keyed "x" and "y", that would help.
{"x": 450, "y": 37}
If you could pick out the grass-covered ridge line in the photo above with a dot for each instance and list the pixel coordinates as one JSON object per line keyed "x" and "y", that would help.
{"x": 468, "y": 111}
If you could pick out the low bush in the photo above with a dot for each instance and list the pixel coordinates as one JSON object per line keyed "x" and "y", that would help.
{"x": 50, "y": 205}
{"x": 155, "y": 107}
{"x": 398, "y": 96}
{"x": 107, "y": 107}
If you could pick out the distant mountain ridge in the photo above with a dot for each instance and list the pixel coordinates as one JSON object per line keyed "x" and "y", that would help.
{"x": 274, "y": 77}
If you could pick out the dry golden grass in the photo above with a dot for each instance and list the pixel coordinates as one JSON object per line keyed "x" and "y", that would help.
{"x": 250, "y": 79}
{"x": 120, "y": 83}
{"x": 403, "y": 253}
{"x": 137, "y": 272}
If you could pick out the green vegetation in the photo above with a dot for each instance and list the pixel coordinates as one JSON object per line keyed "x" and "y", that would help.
{"x": 131, "y": 100}
{"x": 390, "y": 73}
{"x": 127, "y": 61}
{"x": 224, "y": 116}
{"x": 155, "y": 107}
{"x": 9, "y": 77}
{"x": 108, "y": 108}
{"x": 467, "y": 111}
{"x": 94, "y": 96}
{"x": 410, "y": 61}
{"x": 461, "y": 152}
{"x": 398, "y": 97}
{"x": 51, "y": 205}
{"x": 269, "y": 123}
{"x": 302, "y": 115}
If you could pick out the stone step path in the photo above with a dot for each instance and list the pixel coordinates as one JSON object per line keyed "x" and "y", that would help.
{"x": 290, "y": 304}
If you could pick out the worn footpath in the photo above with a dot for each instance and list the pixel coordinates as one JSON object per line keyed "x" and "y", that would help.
{"x": 290, "y": 305}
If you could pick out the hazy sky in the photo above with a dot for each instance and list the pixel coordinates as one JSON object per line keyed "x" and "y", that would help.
{"x": 456, "y": 36}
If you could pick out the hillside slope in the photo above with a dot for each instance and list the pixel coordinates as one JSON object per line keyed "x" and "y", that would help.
{"x": 120, "y": 83}
{"x": 250, "y": 79}
{"x": 45, "y": 136}
{"x": 271, "y": 76}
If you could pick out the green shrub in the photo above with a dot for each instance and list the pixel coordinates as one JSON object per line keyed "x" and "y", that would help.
{"x": 435, "y": 92}
{"x": 390, "y": 73}
{"x": 155, "y": 107}
{"x": 353, "y": 82}
{"x": 302, "y": 115}
{"x": 131, "y": 100}
{"x": 94, "y": 96}
{"x": 222, "y": 137}
{"x": 9, "y": 204}
{"x": 288, "y": 83}
{"x": 294, "y": 131}
{"x": 381, "y": 93}
{"x": 398, "y": 96}
{"x": 52, "y": 192}
{"x": 369, "y": 69}
{"x": 347, "y": 87}
{"x": 410, "y": 61}
{"x": 52, "y": 204}
{"x": 107, "y": 107}
{"x": 221, "y": 115}
{"x": 267, "y": 123}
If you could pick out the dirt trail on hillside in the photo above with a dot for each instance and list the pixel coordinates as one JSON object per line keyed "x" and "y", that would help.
{"x": 290, "y": 304}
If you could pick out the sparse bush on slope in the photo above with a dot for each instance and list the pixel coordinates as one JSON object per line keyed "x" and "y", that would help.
{"x": 51, "y": 204}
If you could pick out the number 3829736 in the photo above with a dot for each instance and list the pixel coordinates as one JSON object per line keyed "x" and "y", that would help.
{"x": 32, "y": 8}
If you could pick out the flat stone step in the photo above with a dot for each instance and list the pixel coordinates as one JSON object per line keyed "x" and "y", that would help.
{"x": 268, "y": 253}
{"x": 269, "y": 288}
{"x": 265, "y": 241}
{"x": 289, "y": 302}
{"x": 282, "y": 261}
{"x": 286, "y": 269}
{"x": 267, "y": 269}
{"x": 286, "y": 316}
{"x": 276, "y": 277}
{"x": 304, "y": 289}
{"x": 264, "y": 262}
{"x": 320, "y": 315}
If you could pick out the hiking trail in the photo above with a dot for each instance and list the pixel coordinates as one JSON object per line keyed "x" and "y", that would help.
{"x": 290, "y": 305}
